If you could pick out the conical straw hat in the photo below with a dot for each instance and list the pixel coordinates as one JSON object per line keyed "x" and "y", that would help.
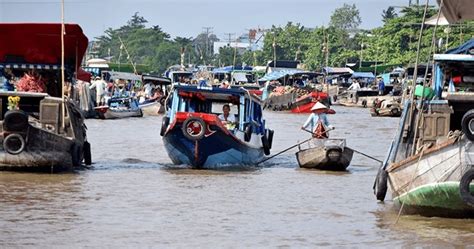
{"x": 318, "y": 106}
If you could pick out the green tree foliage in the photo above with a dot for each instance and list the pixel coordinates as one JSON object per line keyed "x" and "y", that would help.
{"x": 347, "y": 17}
{"x": 388, "y": 14}
{"x": 393, "y": 43}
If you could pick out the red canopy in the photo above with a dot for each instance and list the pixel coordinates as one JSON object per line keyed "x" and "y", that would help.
{"x": 40, "y": 43}
{"x": 83, "y": 75}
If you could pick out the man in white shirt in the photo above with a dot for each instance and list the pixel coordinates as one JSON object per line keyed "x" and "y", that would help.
{"x": 99, "y": 84}
{"x": 355, "y": 86}
{"x": 226, "y": 117}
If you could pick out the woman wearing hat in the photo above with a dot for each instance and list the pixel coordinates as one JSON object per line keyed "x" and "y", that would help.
{"x": 318, "y": 122}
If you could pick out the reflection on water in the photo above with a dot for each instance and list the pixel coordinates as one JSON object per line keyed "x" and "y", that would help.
{"x": 135, "y": 197}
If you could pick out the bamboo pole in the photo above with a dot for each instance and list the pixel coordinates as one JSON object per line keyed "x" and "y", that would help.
{"x": 63, "y": 106}
{"x": 415, "y": 76}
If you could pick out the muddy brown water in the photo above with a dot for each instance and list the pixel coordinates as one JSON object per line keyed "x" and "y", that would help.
{"x": 135, "y": 197}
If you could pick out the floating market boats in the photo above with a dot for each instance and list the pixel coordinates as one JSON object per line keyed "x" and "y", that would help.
{"x": 121, "y": 104}
{"x": 120, "y": 107}
{"x": 325, "y": 154}
{"x": 155, "y": 103}
{"x": 429, "y": 167}
{"x": 42, "y": 130}
{"x": 194, "y": 135}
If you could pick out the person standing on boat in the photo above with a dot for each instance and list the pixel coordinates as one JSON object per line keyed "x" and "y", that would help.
{"x": 381, "y": 87}
{"x": 99, "y": 85}
{"x": 354, "y": 86}
{"x": 318, "y": 122}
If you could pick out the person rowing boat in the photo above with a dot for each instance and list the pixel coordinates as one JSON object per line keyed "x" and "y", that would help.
{"x": 318, "y": 122}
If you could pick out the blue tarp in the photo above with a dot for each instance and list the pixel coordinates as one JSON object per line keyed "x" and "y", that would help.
{"x": 279, "y": 74}
{"x": 463, "y": 49}
{"x": 229, "y": 69}
{"x": 363, "y": 75}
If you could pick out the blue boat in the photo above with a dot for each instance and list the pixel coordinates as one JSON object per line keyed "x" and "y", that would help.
{"x": 194, "y": 135}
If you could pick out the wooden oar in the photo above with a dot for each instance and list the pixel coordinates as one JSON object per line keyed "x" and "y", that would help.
{"x": 373, "y": 158}
{"x": 289, "y": 148}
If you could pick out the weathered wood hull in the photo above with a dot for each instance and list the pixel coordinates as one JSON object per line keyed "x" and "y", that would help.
{"x": 428, "y": 183}
{"x": 325, "y": 158}
{"x": 117, "y": 114}
{"x": 152, "y": 109}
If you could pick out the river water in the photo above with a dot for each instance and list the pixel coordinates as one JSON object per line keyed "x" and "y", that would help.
{"x": 134, "y": 197}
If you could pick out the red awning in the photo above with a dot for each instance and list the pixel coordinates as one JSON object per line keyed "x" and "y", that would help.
{"x": 40, "y": 43}
{"x": 83, "y": 75}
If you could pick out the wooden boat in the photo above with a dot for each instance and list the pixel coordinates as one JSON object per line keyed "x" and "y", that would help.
{"x": 386, "y": 108}
{"x": 304, "y": 103}
{"x": 40, "y": 131}
{"x": 194, "y": 135}
{"x": 430, "y": 169}
{"x": 327, "y": 154}
{"x": 157, "y": 106}
{"x": 121, "y": 107}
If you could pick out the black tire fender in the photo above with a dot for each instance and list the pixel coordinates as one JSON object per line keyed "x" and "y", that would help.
{"x": 164, "y": 125}
{"x": 15, "y": 120}
{"x": 464, "y": 187}
{"x": 247, "y": 132}
{"x": 270, "y": 137}
{"x": 380, "y": 185}
{"x": 331, "y": 158}
{"x": 395, "y": 111}
{"x": 265, "y": 145}
{"x": 14, "y": 144}
{"x": 86, "y": 150}
{"x": 76, "y": 151}
{"x": 198, "y": 129}
{"x": 364, "y": 103}
{"x": 467, "y": 124}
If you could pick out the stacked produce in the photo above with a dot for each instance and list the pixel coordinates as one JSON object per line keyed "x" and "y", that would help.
{"x": 31, "y": 82}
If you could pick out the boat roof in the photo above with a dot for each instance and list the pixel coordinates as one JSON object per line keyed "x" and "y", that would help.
{"x": 122, "y": 75}
{"x": 363, "y": 75}
{"x": 157, "y": 79}
{"x": 213, "y": 89}
{"x": 453, "y": 57}
{"x": 337, "y": 70}
{"x": 40, "y": 44}
{"x": 230, "y": 69}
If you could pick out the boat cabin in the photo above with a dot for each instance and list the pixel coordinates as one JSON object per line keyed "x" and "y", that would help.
{"x": 245, "y": 107}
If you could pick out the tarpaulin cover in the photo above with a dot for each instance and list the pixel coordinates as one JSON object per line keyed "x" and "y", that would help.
{"x": 229, "y": 69}
{"x": 463, "y": 49}
{"x": 40, "y": 43}
{"x": 83, "y": 75}
{"x": 362, "y": 75}
{"x": 279, "y": 74}
{"x": 338, "y": 70}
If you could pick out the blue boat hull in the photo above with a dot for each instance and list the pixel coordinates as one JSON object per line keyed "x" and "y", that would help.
{"x": 217, "y": 149}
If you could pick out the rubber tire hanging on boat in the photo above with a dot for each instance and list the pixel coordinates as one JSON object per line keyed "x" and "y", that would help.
{"x": 266, "y": 145}
{"x": 380, "y": 184}
{"x": 247, "y": 132}
{"x": 7, "y": 144}
{"x": 270, "y": 137}
{"x": 86, "y": 150}
{"x": 76, "y": 151}
{"x": 464, "y": 187}
{"x": 164, "y": 125}
{"x": 364, "y": 103}
{"x": 200, "y": 134}
{"x": 466, "y": 119}
{"x": 15, "y": 120}
{"x": 395, "y": 111}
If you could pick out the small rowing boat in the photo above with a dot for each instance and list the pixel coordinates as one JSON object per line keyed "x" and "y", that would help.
{"x": 325, "y": 154}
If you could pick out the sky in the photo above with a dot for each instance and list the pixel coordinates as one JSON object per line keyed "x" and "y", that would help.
{"x": 187, "y": 18}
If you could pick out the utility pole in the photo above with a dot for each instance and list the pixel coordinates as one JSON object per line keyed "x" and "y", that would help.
{"x": 274, "y": 51}
{"x": 207, "y": 32}
{"x": 229, "y": 37}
